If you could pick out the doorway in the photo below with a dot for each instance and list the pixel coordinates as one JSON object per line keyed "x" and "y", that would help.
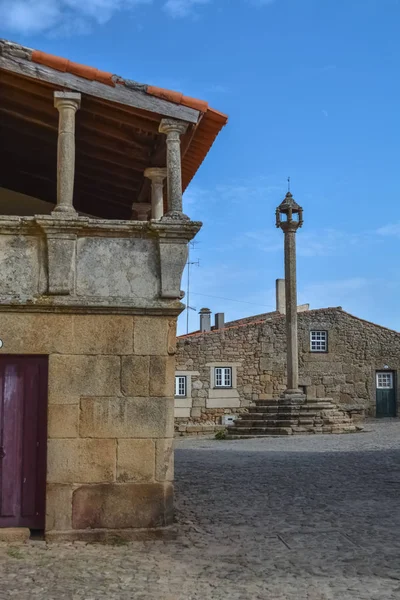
{"x": 385, "y": 394}
{"x": 23, "y": 440}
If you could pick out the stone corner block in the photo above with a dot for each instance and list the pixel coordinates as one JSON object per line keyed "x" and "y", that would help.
{"x": 162, "y": 376}
{"x": 59, "y": 507}
{"x": 80, "y": 460}
{"x": 72, "y": 376}
{"x": 103, "y": 334}
{"x": 135, "y": 375}
{"x": 150, "y": 335}
{"x": 165, "y": 460}
{"x": 135, "y": 461}
{"x": 126, "y": 417}
{"x": 122, "y": 506}
{"x": 63, "y": 421}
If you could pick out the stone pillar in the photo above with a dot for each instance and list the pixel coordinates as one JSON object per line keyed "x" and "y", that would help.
{"x": 291, "y": 311}
{"x": 173, "y": 130}
{"x": 157, "y": 176}
{"x": 289, "y": 217}
{"x": 67, "y": 104}
{"x": 280, "y": 296}
{"x": 142, "y": 209}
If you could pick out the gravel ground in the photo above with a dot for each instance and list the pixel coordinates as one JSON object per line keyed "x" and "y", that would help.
{"x": 302, "y": 518}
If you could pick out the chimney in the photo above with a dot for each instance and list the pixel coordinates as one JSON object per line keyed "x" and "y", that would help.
{"x": 280, "y": 296}
{"x": 205, "y": 319}
{"x": 219, "y": 320}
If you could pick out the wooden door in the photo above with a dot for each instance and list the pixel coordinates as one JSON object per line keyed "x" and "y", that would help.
{"x": 23, "y": 440}
{"x": 385, "y": 394}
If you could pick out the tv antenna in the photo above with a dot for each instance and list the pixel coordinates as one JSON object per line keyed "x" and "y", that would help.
{"x": 189, "y": 264}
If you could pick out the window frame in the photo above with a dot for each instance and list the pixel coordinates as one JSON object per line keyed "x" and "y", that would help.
{"x": 224, "y": 378}
{"x": 177, "y": 386}
{"x": 316, "y": 350}
{"x": 389, "y": 376}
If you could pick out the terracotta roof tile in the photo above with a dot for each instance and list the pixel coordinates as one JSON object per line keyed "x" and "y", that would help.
{"x": 178, "y": 98}
{"x": 66, "y": 66}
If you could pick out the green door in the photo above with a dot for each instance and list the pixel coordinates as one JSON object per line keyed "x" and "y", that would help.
{"x": 385, "y": 394}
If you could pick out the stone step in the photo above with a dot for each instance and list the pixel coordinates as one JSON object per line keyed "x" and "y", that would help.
{"x": 265, "y": 423}
{"x": 251, "y": 437}
{"x": 254, "y": 416}
{"x": 273, "y": 408}
{"x": 278, "y": 417}
{"x": 255, "y": 431}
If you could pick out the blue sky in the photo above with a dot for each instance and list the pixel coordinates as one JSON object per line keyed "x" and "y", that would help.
{"x": 312, "y": 91}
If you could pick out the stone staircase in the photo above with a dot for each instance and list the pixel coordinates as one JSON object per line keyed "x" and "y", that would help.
{"x": 282, "y": 417}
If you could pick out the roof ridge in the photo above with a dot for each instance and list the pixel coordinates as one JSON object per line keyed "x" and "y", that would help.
{"x": 371, "y": 323}
{"x": 279, "y": 316}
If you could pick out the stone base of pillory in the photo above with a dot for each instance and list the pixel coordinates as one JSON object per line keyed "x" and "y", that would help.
{"x": 291, "y": 415}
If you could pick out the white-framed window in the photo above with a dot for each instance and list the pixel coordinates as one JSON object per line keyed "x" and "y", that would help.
{"x": 223, "y": 377}
{"x": 319, "y": 341}
{"x": 384, "y": 381}
{"x": 180, "y": 386}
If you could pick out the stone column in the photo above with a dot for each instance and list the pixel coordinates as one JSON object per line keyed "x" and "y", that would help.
{"x": 156, "y": 176}
{"x": 289, "y": 217}
{"x": 173, "y": 130}
{"x": 291, "y": 310}
{"x": 67, "y": 104}
{"x": 142, "y": 209}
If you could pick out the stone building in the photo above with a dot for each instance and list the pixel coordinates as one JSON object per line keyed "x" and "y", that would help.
{"x": 221, "y": 370}
{"x": 92, "y": 248}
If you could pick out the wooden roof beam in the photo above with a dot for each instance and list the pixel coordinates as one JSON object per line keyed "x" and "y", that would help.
{"x": 120, "y": 94}
{"x": 121, "y": 114}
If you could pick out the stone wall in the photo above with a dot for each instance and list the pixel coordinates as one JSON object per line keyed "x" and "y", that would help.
{"x": 346, "y": 373}
{"x": 100, "y": 299}
{"x": 110, "y": 423}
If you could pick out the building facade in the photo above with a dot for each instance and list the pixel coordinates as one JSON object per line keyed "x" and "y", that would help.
{"x": 351, "y": 361}
{"x": 93, "y": 242}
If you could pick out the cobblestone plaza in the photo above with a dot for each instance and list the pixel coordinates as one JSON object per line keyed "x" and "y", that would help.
{"x": 302, "y": 518}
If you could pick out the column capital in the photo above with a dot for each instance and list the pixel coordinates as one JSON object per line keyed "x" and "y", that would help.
{"x": 156, "y": 173}
{"x": 172, "y": 126}
{"x": 142, "y": 209}
{"x": 67, "y": 99}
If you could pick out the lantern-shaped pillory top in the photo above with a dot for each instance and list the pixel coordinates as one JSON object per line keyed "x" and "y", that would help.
{"x": 289, "y": 213}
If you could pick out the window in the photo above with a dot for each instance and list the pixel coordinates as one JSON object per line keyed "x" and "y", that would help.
{"x": 180, "y": 385}
{"x": 223, "y": 377}
{"x": 384, "y": 381}
{"x": 319, "y": 341}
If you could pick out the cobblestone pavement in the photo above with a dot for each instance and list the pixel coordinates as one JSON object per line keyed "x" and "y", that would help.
{"x": 305, "y": 518}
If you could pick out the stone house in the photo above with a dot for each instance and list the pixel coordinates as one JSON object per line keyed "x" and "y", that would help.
{"x": 221, "y": 370}
{"x": 93, "y": 242}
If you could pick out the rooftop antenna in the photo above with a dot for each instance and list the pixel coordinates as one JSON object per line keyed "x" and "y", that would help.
{"x": 189, "y": 263}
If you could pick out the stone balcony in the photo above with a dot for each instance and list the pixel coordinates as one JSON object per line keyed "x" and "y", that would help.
{"x": 59, "y": 262}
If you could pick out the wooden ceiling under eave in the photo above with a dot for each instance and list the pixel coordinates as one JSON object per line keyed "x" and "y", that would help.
{"x": 115, "y": 143}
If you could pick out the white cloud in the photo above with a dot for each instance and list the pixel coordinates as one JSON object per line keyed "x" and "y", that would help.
{"x": 182, "y": 8}
{"x": 65, "y": 16}
{"x": 389, "y": 230}
{"x": 72, "y": 17}
{"x": 325, "y": 242}
{"x": 337, "y": 292}
{"x": 260, "y": 2}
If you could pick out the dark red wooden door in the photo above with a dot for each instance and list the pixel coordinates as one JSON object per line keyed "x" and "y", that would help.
{"x": 23, "y": 433}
